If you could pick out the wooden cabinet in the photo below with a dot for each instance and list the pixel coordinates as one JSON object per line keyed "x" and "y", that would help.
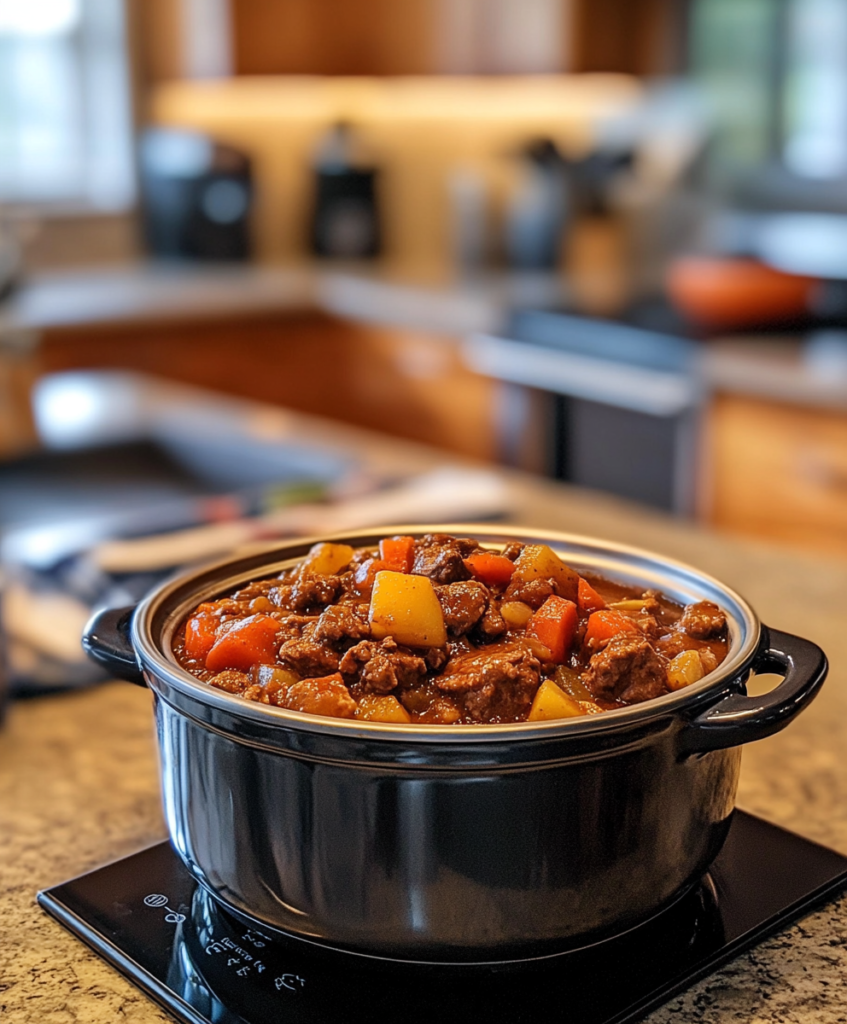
{"x": 777, "y": 472}
{"x": 402, "y": 382}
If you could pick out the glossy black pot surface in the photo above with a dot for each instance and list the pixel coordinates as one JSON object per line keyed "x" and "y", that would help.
{"x": 477, "y": 843}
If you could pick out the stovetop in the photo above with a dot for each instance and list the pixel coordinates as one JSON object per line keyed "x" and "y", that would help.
{"x": 149, "y": 918}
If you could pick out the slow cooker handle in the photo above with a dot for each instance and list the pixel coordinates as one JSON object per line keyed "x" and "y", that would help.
{"x": 739, "y": 719}
{"x": 106, "y": 641}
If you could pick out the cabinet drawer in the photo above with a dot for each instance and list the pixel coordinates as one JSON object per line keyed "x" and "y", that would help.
{"x": 778, "y": 472}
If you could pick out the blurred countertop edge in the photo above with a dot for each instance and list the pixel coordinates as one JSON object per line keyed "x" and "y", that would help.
{"x": 770, "y": 367}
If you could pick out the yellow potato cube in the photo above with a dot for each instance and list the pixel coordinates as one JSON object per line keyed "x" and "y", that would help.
{"x": 406, "y": 608}
{"x": 551, "y": 702}
{"x": 382, "y": 709}
{"x": 327, "y": 559}
{"x": 683, "y": 670}
{"x": 538, "y": 561}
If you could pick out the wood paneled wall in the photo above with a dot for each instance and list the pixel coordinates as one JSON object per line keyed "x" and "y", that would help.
{"x": 421, "y": 37}
{"x": 334, "y": 37}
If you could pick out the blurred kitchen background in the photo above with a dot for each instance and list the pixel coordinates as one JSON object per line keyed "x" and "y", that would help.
{"x": 247, "y": 245}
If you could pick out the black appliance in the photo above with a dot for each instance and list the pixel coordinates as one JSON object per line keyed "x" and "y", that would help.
{"x": 625, "y": 401}
{"x": 148, "y": 917}
{"x": 196, "y": 196}
{"x": 345, "y": 222}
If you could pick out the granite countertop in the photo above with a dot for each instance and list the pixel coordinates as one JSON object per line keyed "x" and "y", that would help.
{"x": 78, "y": 787}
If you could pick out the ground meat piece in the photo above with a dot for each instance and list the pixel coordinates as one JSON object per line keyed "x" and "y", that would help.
{"x": 324, "y": 696}
{"x": 649, "y": 626}
{"x": 259, "y": 588}
{"x": 231, "y": 681}
{"x": 703, "y": 620}
{"x": 291, "y": 626}
{"x": 280, "y": 595}
{"x": 435, "y": 658}
{"x": 382, "y": 667}
{"x": 307, "y": 658}
{"x": 463, "y": 605}
{"x": 497, "y": 684}
{"x": 652, "y": 605}
{"x": 343, "y": 622}
{"x": 531, "y": 592}
{"x": 628, "y": 669}
{"x": 439, "y": 556}
{"x": 492, "y": 624}
{"x": 511, "y": 551}
{"x": 314, "y": 590}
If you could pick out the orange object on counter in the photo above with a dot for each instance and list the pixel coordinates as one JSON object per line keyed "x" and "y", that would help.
{"x": 725, "y": 293}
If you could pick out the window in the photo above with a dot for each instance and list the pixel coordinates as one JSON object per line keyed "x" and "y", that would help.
{"x": 776, "y": 74}
{"x": 65, "y": 106}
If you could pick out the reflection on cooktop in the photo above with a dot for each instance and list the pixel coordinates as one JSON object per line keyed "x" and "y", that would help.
{"x": 148, "y": 917}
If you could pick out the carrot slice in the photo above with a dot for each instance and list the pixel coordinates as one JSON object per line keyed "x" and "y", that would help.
{"x": 495, "y": 570}
{"x": 605, "y": 624}
{"x": 587, "y": 597}
{"x": 397, "y": 553}
{"x": 253, "y": 641}
{"x": 554, "y": 625}
{"x": 200, "y": 634}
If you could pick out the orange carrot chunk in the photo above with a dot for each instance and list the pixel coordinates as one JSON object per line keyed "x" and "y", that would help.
{"x": 200, "y": 633}
{"x": 554, "y": 625}
{"x": 253, "y": 641}
{"x": 588, "y": 599}
{"x": 605, "y": 624}
{"x": 397, "y": 553}
{"x": 495, "y": 570}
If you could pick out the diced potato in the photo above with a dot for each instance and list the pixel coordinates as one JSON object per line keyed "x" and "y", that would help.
{"x": 406, "y": 608}
{"x": 538, "y": 561}
{"x": 515, "y": 613}
{"x": 683, "y": 670}
{"x": 540, "y": 650}
{"x": 568, "y": 679}
{"x": 273, "y": 678}
{"x": 551, "y": 702}
{"x": 632, "y": 604}
{"x": 382, "y": 709}
{"x": 327, "y": 559}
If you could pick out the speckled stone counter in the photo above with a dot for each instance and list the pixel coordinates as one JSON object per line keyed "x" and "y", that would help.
{"x": 78, "y": 787}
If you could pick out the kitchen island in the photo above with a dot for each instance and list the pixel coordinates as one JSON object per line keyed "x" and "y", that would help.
{"x": 79, "y": 786}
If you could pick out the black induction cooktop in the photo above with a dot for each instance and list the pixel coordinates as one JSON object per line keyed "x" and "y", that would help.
{"x": 148, "y": 917}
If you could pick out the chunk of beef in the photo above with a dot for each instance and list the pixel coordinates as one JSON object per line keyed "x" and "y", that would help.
{"x": 703, "y": 620}
{"x": 258, "y": 588}
{"x": 307, "y": 658}
{"x": 531, "y": 592}
{"x": 230, "y": 680}
{"x": 314, "y": 590}
{"x": 493, "y": 685}
{"x": 511, "y": 551}
{"x": 322, "y": 696}
{"x": 652, "y": 605}
{"x": 292, "y": 626}
{"x": 649, "y": 626}
{"x": 439, "y": 556}
{"x": 627, "y": 669}
{"x": 463, "y": 605}
{"x": 341, "y": 623}
{"x": 492, "y": 624}
{"x": 435, "y": 658}
{"x": 381, "y": 667}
